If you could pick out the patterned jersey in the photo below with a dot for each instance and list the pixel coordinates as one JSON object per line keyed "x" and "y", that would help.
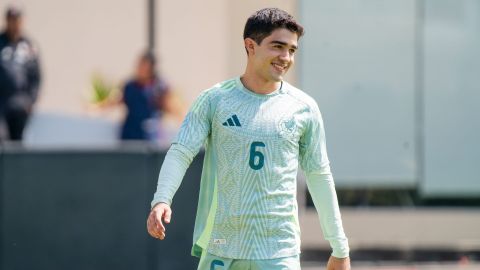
{"x": 253, "y": 146}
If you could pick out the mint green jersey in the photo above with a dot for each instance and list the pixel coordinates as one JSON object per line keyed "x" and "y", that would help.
{"x": 254, "y": 145}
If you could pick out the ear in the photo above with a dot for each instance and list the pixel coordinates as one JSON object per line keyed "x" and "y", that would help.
{"x": 250, "y": 45}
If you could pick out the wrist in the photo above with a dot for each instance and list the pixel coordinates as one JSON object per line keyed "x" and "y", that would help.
{"x": 154, "y": 205}
{"x": 340, "y": 259}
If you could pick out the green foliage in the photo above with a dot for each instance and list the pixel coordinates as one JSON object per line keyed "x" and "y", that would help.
{"x": 101, "y": 89}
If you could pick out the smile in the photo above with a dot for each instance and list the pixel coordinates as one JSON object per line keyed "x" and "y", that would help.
{"x": 279, "y": 67}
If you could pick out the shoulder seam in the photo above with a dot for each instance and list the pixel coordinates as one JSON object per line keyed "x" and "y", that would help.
{"x": 309, "y": 106}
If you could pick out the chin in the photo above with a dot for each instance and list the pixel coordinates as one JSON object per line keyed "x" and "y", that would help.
{"x": 278, "y": 78}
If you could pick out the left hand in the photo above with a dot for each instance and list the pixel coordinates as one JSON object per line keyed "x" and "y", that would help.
{"x": 335, "y": 263}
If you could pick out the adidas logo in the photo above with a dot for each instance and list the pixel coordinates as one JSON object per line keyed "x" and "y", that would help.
{"x": 232, "y": 121}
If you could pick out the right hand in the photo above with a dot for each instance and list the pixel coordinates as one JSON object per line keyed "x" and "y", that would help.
{"x": 155, "y": 225}
{"x": 335, "y": 263}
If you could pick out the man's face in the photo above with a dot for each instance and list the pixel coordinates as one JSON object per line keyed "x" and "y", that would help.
{"x": 14, "y": 25}
{"x": 273, "y": 57}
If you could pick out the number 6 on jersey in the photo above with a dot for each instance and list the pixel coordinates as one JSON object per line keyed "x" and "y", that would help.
{"x": 255, "y": 153}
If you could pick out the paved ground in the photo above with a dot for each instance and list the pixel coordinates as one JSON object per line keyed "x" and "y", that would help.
{"x": 397, "y": 228}
{"x": 430, "y": 266}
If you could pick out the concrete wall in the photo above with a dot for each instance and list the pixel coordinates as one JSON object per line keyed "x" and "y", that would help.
{"x": 81, "y": 209}
{"x": 452, "y": 111}
{"x": 358, "y": 63}
{"x": 86, "y": 209}
{"x": 397, "y": 86}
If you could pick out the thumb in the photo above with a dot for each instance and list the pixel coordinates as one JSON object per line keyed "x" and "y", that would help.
{"x": 167, "y": 215}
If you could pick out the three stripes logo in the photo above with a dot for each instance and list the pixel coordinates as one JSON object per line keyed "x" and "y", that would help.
{"x": 232, "y": 121}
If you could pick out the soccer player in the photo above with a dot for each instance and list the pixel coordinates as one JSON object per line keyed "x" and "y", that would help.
{"x": 257, "y": 129}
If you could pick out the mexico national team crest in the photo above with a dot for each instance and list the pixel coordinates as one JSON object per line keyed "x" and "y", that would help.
{"x": 288, "y": 127}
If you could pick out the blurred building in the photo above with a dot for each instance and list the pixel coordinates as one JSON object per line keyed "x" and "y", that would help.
{"x": 198, "y": 43}
{"x": 397, "y": 85}
{"x": 395, "y": 80}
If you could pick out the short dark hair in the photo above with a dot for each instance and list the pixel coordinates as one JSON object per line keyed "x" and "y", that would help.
{"x": 13, "y": 12}
{"x": 263, "y": 22}
{"x": 150, "y": 57}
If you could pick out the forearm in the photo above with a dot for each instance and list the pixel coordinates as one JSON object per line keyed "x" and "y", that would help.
{"x": 323, "y": 193}
{"x": 173, "y": 169}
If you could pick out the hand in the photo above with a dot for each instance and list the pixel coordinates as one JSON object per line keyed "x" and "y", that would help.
{"x": 335, "y": 263}
{"x": 155, "y": 226}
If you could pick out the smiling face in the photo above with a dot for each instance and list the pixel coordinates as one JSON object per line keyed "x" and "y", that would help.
{"x": 271, "y": 59}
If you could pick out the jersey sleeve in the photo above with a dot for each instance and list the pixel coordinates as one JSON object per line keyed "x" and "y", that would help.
{"x": 188, "y": 142}
{"x": 314, "y": 162}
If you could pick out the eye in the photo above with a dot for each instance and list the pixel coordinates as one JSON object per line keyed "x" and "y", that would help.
{"x": 292, "y": 51}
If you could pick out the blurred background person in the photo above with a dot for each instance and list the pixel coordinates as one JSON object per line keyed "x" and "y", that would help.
{"x": 19, "y": 76}
{"x": 146, "y": 97}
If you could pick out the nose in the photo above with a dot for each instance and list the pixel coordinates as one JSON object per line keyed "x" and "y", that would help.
{"x": 285, "y": 56}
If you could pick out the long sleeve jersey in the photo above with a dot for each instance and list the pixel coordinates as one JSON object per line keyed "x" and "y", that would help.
{"x": 254, "y": 145}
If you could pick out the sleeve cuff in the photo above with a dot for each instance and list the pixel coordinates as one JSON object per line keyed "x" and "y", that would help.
{"x": 340, "y": 253}
{"x": 156, "y": 201}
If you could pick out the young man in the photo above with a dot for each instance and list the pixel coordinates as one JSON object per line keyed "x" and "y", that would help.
{"x": 256, "y": 130}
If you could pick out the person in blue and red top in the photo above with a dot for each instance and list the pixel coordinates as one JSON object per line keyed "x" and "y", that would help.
{"x": 146, "y": 97}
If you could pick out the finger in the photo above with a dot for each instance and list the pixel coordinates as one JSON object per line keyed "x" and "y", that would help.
{"x": 157, "y": 219}
{"x": 157, "y": 229}
{"x": 159, "y": 235}
{"x": 156, "y": 234}
{"x": 152, "y": 228}
{"x": 152, "y": 233}
{"x": 159, "y": 225}
{"x": 149, "y": 224}
{"x": 167, "y": 215}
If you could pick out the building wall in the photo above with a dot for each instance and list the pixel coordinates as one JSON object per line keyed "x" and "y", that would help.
{"x": 199, "y": 43}
{"x": 79, "y": 38}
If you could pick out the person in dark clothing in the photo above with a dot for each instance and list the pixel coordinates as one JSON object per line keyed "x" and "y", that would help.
{"x": 19, "y": 77}
{"x": 146, "y": 96}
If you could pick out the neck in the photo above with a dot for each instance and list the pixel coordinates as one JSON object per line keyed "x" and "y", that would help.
{"x": 258, "y": 85}
{"x": 12, "y": 36}
{"x": 145, "y": 81}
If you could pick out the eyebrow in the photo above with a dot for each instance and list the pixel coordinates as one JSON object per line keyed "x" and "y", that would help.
{"x": 282, "y": 43}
